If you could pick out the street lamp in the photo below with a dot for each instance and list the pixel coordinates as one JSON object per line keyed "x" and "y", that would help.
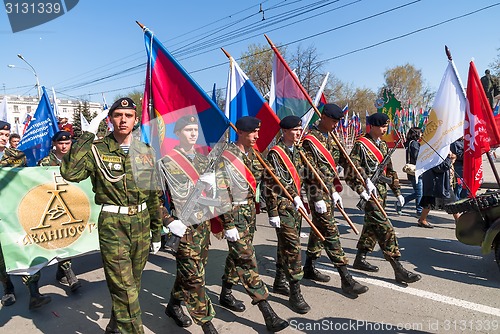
{"x": 32, "y": 70}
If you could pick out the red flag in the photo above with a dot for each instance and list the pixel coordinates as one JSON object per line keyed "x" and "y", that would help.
{"x": 480, "y": 131}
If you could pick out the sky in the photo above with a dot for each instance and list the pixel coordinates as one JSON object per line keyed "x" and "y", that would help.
{"x": 98, "y": 48}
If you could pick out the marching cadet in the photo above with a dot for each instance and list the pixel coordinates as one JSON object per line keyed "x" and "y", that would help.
{"x": 237, "y": 176}
{"x": 11, "y": 157}
{"x": 324, "y": 155}
{"x": 122, "y": 171}
{"x": 283, "y": 215}
{"x": 183, "y": 166}
{"x": 61, "y": 142}
{"x": 367, "y": 153}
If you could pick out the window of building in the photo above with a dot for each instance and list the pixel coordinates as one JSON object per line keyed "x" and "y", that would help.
{"x": 65, "y": 110}
{"x": 28, "y": 109}
{"x": 16, "y": 108}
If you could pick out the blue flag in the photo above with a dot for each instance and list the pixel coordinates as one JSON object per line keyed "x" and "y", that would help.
{"x": 36, "y": 142}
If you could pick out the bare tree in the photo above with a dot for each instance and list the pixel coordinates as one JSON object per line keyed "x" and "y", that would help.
{"x": 308, "y": 68}
{"x": 257, "y": 63}
{"x": 407, "y": 84}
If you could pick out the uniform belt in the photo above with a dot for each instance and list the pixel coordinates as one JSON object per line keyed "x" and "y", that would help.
{"x": 245, "y": 202}
{"x": 125, "y": 210}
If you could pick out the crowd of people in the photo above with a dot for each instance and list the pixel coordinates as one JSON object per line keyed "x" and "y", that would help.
{"x": 128, "y": 188}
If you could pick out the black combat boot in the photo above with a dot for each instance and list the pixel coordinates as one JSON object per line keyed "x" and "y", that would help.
{"x": 310, "y": 272}
{"x": 273, "y": 322}
{"x": 361, "y": 263}
{"x": 174, "y": 311}
{"x": 8, "y": 297}
{"x": 402, "y": 275}
{"x": 227, "y": 299}
{"x": 280, "y": 284}
{"x": 349, "y": 285}
{"x": 296, "y": 300}
{"x": 36, "y": 298}
{"x": 112, "y": 326}
{"x": 66, "y": 276}
{"x": 208, "y": 328}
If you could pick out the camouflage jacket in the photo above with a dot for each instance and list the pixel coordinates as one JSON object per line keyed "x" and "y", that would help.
{"x": 50, "y": 160}
{"x": 233, "y": 188}
{"x": 12, "y": 157}
{"x": 273, "y": 192}
{"x": 117, "y": 178}
{"x": 367, "y": 163}
{"x": 323, "y": 168}
{"x": 179, "y": 185}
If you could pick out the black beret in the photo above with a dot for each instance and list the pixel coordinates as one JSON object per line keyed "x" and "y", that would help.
{"x": 184, "y": 121}
{"x": 123, "y": 103}
{"x": 4, "y": 125}
{"x": 377, "y": 119}
{"x": 290, "y": 122}
{"x": 247, "y": 123}
{"x": 61, "y": 135}
{"x": 333, "y": 111}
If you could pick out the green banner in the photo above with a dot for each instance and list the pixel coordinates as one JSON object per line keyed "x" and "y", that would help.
{"x": 44, "y": 218}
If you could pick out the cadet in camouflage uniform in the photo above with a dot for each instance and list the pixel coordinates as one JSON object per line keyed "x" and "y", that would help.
{"x": 11, "y": 157}
{"x": 376, "y": 228}
{"x": 324, "y": 162}
{"x": 61, "y": 142}
{"x": 122, "y": 171}
{"x": 182, "y": 167}
{"x": 283, "y": 214}
{"x": 237, "y": 193}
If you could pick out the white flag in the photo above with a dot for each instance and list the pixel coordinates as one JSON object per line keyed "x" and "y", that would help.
{"x": 445, "y": 123}
{"x": 84, "y": 123}
{"x": 309, "y": 114}
{"x": 55, "y": 106}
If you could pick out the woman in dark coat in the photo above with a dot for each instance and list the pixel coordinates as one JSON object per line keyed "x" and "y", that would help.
{"x": 437, "y": 189}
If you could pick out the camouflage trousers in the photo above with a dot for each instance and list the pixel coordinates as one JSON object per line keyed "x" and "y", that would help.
{"x": 27, "y": 279}
{"x": 189, "y": 285}
{"x": 325, "y": 223}
{"x": 241, "y": 264}
{"x": 124, "y": 241}
{"x": 379, "y": 229}
{"x": 288, "y": 252}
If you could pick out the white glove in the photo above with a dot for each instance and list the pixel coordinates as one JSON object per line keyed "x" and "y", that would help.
{"x": 177, "y": 228}
{"x": 94, "y": 124}
{"x": 401, "y": 200}
{"x": 298, "y": 204}
{"x": 155, "y": 247}
{"x": 337, "y": 199}
{"x": 209, "y": 179}
{"x": 364, "y": 195}
{"x": 232, "y": 234}
{"x": 275, "y": 222}
{"x": 370, "y": 187}
{"x": 320, "y": 207}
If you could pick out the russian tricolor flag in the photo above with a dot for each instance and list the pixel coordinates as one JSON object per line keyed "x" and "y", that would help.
{"x": 243, "y": 99}
{"x": 171, "y": 93}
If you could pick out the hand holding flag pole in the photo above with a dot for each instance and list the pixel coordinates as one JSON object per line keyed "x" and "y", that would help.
{"x": 339, "y": 144}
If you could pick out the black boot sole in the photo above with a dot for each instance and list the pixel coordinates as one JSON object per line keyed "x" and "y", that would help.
{"x": 278, "y": 328}
{"x": 299, "y": 310}
{"x": 231, "y": 307}
{"x": 282, "y": 291}
{"x": 316, "y": 279}
{"x": 404, "y": 281}
{"x": 364, "y": 268}
{"x": 177, "y": 321}
{"x": 39, "y": 304}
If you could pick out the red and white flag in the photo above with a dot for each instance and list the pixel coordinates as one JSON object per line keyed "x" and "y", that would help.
{"x": 480, "y": 131}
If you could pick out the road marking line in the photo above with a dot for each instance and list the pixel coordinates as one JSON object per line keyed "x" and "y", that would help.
{"x": 424, "y": 294}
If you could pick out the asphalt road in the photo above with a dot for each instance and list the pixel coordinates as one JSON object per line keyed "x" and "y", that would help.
{"x": 458, "y": 293}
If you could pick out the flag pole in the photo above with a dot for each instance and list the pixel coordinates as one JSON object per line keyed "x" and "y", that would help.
{"x": 341, "y": 147}
{"x": 275, "y": 178}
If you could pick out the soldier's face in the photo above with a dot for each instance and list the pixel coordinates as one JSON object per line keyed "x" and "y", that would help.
{"x": 188, "y": 135}
{"x": 4, "y": 138}
{"x": 14, "y": 142}
{"x": 123, "y": 120}
{"x": 63, "y": 146}
{"x": 378, "y": 131}
{"x": 248, "y": 139}
{"x": 292, "y": 135}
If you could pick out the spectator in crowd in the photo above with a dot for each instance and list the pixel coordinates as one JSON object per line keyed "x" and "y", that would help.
{"x": 457, "y": 148}
{"x": 412, "y": 146}
{"x": 14, "y": 140}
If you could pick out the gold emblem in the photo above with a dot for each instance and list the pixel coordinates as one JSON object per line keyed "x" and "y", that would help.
{"x": 191, "y": 119}
{"x": 124, "y": 103}
{"x": 132, "y": 210}
{"x": 53, "y": 217}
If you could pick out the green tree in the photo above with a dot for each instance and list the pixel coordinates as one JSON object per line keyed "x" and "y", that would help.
{"x": 83, "y": 108}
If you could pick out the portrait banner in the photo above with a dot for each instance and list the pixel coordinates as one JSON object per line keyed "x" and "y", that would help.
{"x": 44, "y": 218}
